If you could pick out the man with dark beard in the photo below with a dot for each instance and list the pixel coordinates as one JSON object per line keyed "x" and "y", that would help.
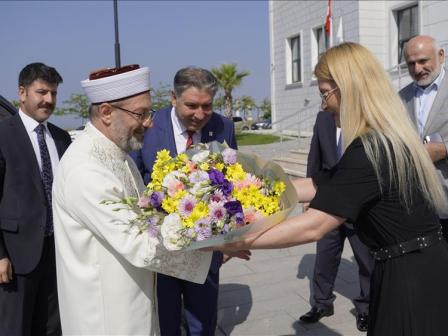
{"x": 105, "y": 268}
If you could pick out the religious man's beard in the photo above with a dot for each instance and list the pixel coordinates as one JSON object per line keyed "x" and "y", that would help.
{"x": 126, "y": 143}
{"x": 129, "y": 144}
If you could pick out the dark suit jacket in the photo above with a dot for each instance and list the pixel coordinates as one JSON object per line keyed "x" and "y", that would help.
{"x": 322, "y": 153}
{"x": 23, "y": 207}
{"x": 161, "y": 136}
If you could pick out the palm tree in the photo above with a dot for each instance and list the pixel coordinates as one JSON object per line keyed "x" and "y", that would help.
{"x": 229, "y": 78}
{"x": 246, "y": 104}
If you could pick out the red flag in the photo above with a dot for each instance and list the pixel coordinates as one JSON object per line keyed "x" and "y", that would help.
{"x": 328, "y": 19}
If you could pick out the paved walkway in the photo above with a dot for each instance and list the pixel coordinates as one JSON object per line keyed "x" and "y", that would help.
{"x": 268, "y": 294}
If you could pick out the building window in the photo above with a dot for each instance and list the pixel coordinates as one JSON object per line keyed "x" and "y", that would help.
{"x": 407, "y": 24}
{"x": 295, "y": 62}
{"x": 320, "y": 42}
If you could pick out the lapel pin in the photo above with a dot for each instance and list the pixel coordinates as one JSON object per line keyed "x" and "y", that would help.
{"x": 210, "y": 134}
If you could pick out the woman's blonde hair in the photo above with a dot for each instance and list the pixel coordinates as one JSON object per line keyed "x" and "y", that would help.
{"x": 372, "y": 110}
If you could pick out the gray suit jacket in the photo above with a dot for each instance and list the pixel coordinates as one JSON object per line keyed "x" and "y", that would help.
{"x": 437, "y": 122}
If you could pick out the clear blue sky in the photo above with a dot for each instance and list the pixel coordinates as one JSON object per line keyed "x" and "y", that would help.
{"x": 78, "y": 36}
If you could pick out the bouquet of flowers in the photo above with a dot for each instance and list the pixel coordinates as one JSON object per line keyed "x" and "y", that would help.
{"x": 209, "y": 195}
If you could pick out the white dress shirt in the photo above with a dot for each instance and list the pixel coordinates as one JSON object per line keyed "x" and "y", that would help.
{"x": 30, "y": 126}
{"x": 180, "y": 133}
{"x": 424, "y": 98}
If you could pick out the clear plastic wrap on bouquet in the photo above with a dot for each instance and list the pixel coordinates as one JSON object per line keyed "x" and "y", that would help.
{"x": 253, "y": 164}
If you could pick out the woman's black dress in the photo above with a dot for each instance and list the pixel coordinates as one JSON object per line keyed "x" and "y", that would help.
{"x": 409, "y": 293}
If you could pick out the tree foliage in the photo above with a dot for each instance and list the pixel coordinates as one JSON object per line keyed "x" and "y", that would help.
{"x": 77, "y": 104}
{"x": 265, "y": 108}
{"x": 229, "y": 78}
{"x": 245, "y": 104}
{"x": 161, "y": 97}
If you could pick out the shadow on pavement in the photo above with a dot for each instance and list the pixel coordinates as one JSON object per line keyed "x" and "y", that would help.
{"x": 235, "y": 303}
{"x": 320, "y": 329}
{"x": 306, "y": 270}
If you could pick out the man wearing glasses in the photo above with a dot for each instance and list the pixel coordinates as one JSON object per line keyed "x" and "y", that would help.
{"x": 106, "y": 278}
{"x": 190, "y": 120}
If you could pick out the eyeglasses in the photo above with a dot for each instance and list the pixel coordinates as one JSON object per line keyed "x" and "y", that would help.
{"x": 142, "y": 117}
{"x": 112, "y": 71}
{"x": 324, "y": 96}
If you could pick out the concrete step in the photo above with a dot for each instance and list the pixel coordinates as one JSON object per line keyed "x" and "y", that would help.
{"x": 300, "y": 154}
{"x": 295, "y": 173}
{"x": 292, "y": 166}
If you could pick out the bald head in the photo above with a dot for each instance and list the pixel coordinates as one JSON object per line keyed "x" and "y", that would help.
{"x": 424, "y": 59}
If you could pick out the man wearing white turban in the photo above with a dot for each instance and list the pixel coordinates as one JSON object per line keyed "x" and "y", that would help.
{"x": 105, "y": 271}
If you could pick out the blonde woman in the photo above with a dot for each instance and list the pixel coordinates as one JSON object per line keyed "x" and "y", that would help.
{"x": 385, "y": 183}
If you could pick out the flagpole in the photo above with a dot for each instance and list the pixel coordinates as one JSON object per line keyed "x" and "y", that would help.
{"x": 117, "y": 42}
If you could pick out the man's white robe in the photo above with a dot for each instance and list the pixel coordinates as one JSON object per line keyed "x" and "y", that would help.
{"x": 106, "y": 284}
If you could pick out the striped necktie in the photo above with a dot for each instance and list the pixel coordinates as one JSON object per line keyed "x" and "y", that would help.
{"x": 189, "y": 139}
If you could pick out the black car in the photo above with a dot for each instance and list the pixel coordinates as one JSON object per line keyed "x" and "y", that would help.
{"x": 6, "y": 108}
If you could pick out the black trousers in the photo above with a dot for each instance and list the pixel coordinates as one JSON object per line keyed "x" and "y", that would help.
{"x": 328, "y": 258}
{"x": 29, "y": 303}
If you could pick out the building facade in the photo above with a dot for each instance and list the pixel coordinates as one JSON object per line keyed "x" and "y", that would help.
{"x": 298, "y": 37}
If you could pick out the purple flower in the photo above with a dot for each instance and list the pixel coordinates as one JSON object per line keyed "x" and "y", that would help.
{"x": 156, "y": 199}
{"x": 203, "y": 229}
{"x": 239, "y": 218}
{"x": 152, "y": 226}
{"x": 217, "y": 211}
{"x": 233, "y": 207}
{"x": 226, "y": 187}
{"x": 216, "y": 176}
{"x": 229, "y": 156}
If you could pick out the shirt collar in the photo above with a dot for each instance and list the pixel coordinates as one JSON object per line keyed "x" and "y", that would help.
{"x": 434, "y": 85}
{"x": 31, "y": 124}
{"x": 178, "y": 127}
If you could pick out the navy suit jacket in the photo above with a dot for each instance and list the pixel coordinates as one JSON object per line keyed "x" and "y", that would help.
{"x": 323, "y": 154}
{"x": 23, "y": 209}
{"x": 161, "y": 136}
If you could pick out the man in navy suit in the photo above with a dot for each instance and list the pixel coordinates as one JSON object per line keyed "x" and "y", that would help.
{"x": 325, "y": 152}
{"x": 30, "y": 149}
{"x": 190, "y": 120}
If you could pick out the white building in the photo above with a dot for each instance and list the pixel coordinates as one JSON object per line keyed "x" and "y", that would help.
{"x": 297, "y": 37}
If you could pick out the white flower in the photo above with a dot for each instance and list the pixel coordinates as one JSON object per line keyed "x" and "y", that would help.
{"x": 201, "y": 156}
{"x": 170, "y": 231}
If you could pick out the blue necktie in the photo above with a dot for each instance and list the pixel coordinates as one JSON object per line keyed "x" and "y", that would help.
{"x": 339, "y": 147}
{"x": 46, "y": 175}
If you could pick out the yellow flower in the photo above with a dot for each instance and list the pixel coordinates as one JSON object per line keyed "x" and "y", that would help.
{"x": 163, "y": 156}
{"x": 187, "y": 222}
{"x": 169, "y": 204}
{"x": 204, "y": 166}
{"x": 279, "y": 187}
{"x": 199, "y": 211}
{"x": 219, "y": 166}
{"x": 180, "y": 194}
{"x": 235, "y": 172}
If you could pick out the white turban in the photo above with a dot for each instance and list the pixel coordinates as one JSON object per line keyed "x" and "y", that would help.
{"x": 117, "y": 86}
